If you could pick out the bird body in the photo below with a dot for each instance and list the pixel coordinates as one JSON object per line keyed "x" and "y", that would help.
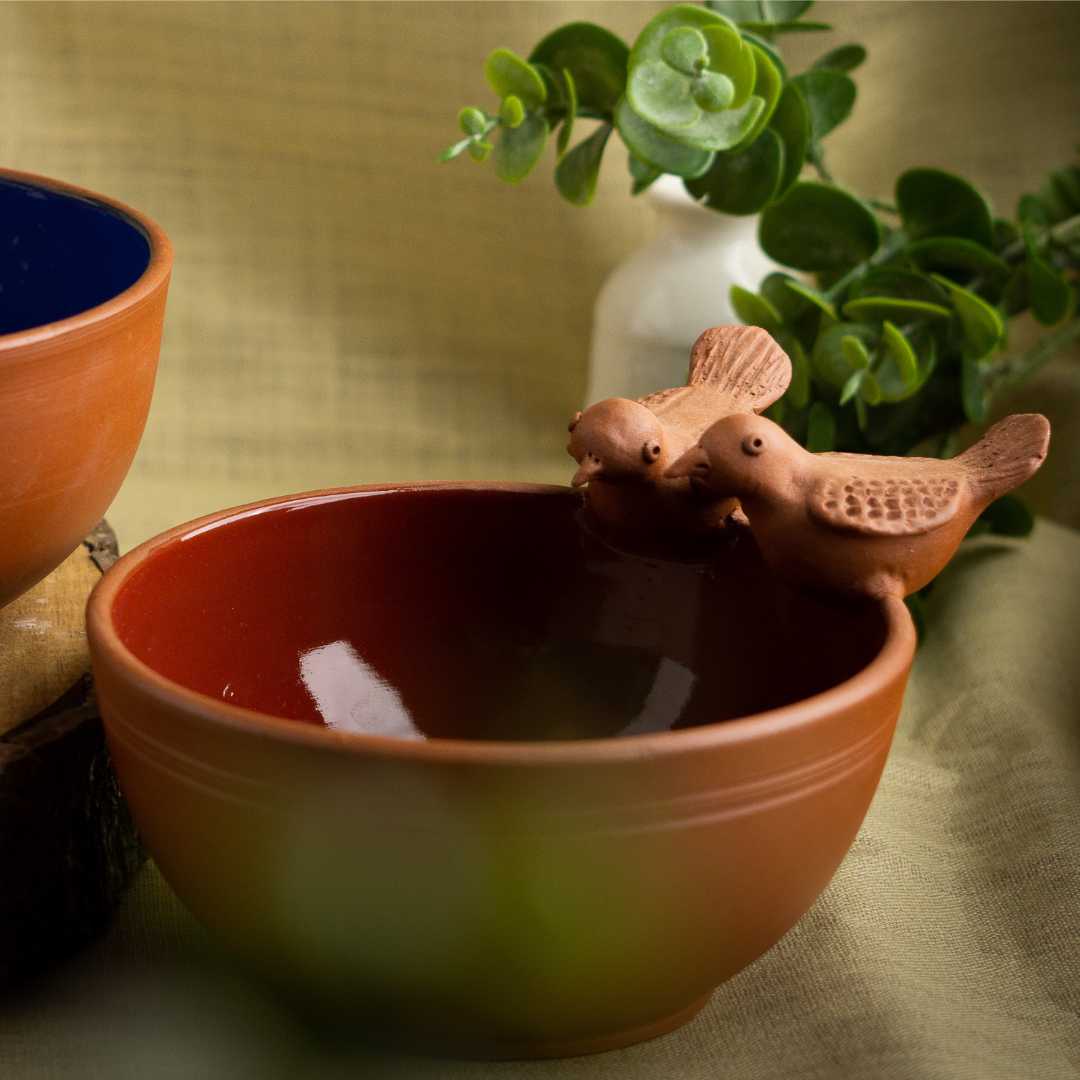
{"x": 624, "y": 447}
{"x": 880, "y": 526}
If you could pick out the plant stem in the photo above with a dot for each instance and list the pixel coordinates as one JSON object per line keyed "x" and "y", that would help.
{"x": 1011, "y": 370}
{"x": 881, "y": 204}
{"x": 888, "y": 250}
{"x": 816, "y": 157}
{"x": 1061, "y": 233}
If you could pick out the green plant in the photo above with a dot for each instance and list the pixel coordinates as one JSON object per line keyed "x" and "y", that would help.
{"x": 897, "y": 325}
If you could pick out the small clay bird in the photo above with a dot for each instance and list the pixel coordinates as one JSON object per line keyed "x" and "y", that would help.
{"x": 881, "y": 526}
{"x": 623, "y": 447}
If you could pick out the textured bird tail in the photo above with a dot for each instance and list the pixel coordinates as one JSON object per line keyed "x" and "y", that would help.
{"x": 1010, "y": 452}
{"x": 742, "y": 361}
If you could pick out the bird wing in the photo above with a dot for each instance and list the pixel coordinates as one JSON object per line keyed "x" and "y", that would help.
{"x": 743, "y": 362}
{"x": 658, "y": 397}
{"x": 882, "y": 504}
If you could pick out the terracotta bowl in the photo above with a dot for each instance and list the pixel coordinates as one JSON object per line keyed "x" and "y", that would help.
{"x": 82, "y": 298}
{"x": 437, "y": 759}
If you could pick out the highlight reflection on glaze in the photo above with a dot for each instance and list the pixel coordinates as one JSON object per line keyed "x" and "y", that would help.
{"x": 604, "y": 692}
{"x": 351, "y": 696}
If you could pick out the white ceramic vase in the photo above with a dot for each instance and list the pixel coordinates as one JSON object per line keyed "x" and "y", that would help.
{"x": 652, "y": 306}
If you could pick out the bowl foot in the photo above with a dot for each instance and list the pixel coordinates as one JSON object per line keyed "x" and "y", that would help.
{"x": 590, "y": 1044}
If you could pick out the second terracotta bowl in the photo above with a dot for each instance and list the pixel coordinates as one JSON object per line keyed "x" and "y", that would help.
{"x": 441, "y": 762}
{"x": 82, "y": 299}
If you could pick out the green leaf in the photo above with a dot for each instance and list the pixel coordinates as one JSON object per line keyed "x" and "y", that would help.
{"x": 829, "y": 95}
{"x": 898, "y": 373}
{"x": 768, "y": 84}
{"x": 459, "y": 147}
{"x": 508, "y": 74}
{"x": 595, "y": 58}
{"x": 667, "y": 104}
{"x": 798, "y": 391}
{"x": 760, "y": 10}
{"x": 653, "y": 147}
{"x": 1009, "y": 516}
{"x": 571, "y": 111}
{"x": 819, "y": 227}
{"x": 1060, "y": 193}
{"x": 480, "y": 151}
{"x": 982, "y": 325}
{"x": 791, "y": 122}
{"x": 754, "y": 310}
{"x": 775, "y": 289}
{"x": 769, "y": 49}
{"x": 786, "y": 27}
{"x": 662, "y": 97}
{"x": 1031, "y": 210}
{"x": 829, "y": 358}
{"x": 512, "y": 112}
{"x": 861, "y": 414}
{"x": 577, "y": 172}
{"x": 742, "y": 181}
{"x": 936, "y": 203}
{"x": 855, "y": 353}
{"x": 818, "y": 299}
{"x": 1016, "y": 296}
{"x": 730, "y": 55}
{"x": 956, "y": 253}
{"x": 973, "y": 390}
{"x": 890, "y": 307}
{"x": 685, "y": 49}
{"x": 852, "y": 384}
{"x": 519, "y": 149}
{"x": 712, "y": 91}
{"x": 869, "y": 389}
{"x": 722, "y": 130}
{"x": 642, "y": 174}
{"x": 844, "y": 58}
{"x": 820, "y": 429}
{"x": 900, "y": 284}
{"x": 1049, "y": 291}
{"x": 776, "y": 411}
{"x": 472, "y": 121}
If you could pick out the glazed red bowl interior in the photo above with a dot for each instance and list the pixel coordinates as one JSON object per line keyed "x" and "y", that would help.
{"x": 470, "y": 613}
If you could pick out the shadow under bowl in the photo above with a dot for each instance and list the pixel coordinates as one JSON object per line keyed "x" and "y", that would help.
{"x": 441, "y": 761}
{"x": 82, "y": 299}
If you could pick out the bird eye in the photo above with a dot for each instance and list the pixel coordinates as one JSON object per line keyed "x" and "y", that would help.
{"x": 650, "y": 452}
{"x": 753, "y": 445}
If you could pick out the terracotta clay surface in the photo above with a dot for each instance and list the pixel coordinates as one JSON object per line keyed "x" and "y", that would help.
{"x": 623, "y": 447}
{"x": 75, "y": 390}
{"x": 856, "y": 523}
{"x": 438, "y": 760}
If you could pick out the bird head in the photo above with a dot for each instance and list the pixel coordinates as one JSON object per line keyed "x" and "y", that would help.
{"x": 737, "y": 456}
{"x": 617, "y": 440}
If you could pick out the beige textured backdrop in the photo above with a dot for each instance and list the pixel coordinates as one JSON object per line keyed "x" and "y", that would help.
{"x": 345, "y": 310}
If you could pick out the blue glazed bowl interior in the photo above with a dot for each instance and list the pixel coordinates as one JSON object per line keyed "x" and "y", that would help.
{"x": 61, "y": 254}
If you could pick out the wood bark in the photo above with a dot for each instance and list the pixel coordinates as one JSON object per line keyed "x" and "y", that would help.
{"x": 68, "y": 847}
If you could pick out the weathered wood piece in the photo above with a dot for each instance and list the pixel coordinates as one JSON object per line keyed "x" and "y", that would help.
{"x": 67, "y": 844}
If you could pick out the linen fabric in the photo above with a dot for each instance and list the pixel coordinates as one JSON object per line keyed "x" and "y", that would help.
{"x": 344, "y": 310}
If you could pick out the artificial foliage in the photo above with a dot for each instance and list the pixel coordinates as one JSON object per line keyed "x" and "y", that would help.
{"x": 895, "y": 314}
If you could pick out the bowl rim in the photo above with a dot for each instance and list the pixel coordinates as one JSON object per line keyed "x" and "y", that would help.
{"x": 94, "y": 319}
{"x": 889, "y": 666}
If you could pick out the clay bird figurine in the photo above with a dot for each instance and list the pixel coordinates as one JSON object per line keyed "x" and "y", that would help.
{"x": 880, "y": 526}
{"x": 623, "y": 447}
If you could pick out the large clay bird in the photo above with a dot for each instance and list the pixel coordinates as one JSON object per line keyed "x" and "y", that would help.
{"x": 880, "y": 526}
{"x": 624, "y": 447}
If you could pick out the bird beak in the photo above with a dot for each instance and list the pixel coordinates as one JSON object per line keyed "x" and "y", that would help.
{"x": 695, "y": 462}
{"x": 590, "y": 469}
